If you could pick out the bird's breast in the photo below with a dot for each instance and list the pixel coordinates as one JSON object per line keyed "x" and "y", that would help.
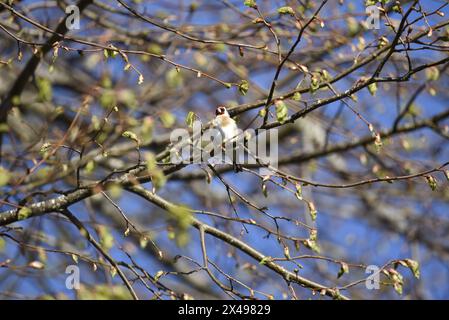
{"x": 227, "y": 126}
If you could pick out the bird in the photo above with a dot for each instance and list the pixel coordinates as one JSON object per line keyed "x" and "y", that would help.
{"x": 229, "y": 131}
{"x": 227, "y": 126}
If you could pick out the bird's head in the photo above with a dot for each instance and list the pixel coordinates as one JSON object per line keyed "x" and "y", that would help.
{"x": 220, "y": 111}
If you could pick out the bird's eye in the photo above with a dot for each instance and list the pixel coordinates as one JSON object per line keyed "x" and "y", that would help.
{"x": 219, "y": 111}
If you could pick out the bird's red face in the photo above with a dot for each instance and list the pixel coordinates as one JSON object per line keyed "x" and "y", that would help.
{"x": 220, "y": 111}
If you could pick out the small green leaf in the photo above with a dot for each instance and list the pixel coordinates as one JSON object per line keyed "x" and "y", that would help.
{"x": 108, "y": 98}
{"x": 154, "y": 48}
{"x": 158, "y": 179}
{"x": 372, "y": 88}
{"x": 311, "y": 243}
{"x": 174, "y": 78}
{"x": 312, "y": 210}
{"x": 378, "y": 142}
{"x": 414, "y": 267}
{"x": 243, "y": 87}
{"x": 287, "y": 252}
{"x": 131, "y": 135}
{"x": 264, "y": 190}
{"x": 353, "y": 26}
{"x": 344, "y": 268}
{"x": 281, "y": 111}
{"x": 250, "y": 3}
{"x": 143, "y": 241}
{"x": 313, "y": 235}
{"x": 432, "y": 182}
{"x": 147, "y": 129}
{"x": 354, "y": 97}
{"x": 181, "y": 215}
{"x": 106, "y": 237}
{"x": 383, "y": 41}
{"x": 286, "y": 10}
{"x": 168, "y": 119}
{"x": 90, "y": 166}
{"x": 314, "y": 83}
{"x": 219, "y": 47}
{"x": 151, "y": 161}
{"x": 158, "y": 275}
{"x": 298, "y": 193}
{"x": 110, "y": 53}
{"x": 432, "y": 73}
{"x": 190, "y": 119}
{"x": 325, "y": 74}
{"x": 397, "y": 279}
{"x": 24, "y": 213}
{"x": 296, "y": 96}
{"x": 396, "y": 8}
{"x": 171, "y": 235}
{"x": 42, "y": 255}
{"x": 398, "y": 287}
{"x": 126, "y": 233}
{"x": 265, "y": 260}
{"x": 45, "y": 89}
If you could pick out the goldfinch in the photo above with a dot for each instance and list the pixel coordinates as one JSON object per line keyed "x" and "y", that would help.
{"x": 229, "y": 130}
{"x": 226, "y": 125}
